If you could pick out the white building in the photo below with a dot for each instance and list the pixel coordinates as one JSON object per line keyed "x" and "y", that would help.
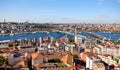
{"x": 40, "y": 40}
{"x": 78, "y": 38}
{"x": 89, "y": 63}
{"x": 2, "y": 32}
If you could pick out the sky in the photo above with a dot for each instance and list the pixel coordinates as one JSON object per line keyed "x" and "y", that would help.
{"x": 60, "y": 11}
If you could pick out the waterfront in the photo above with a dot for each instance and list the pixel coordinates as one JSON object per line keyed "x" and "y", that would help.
{"x": 110, "y": 35}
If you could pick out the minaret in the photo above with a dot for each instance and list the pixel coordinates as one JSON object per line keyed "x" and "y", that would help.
{"x": 75, "y": 31}
{"x": 4, "y": 20}
{"x": 75, "y": 35}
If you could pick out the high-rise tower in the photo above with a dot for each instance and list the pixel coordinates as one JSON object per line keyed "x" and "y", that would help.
{"x": 75, "y": 35}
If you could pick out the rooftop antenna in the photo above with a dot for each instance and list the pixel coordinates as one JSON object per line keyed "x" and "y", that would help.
{"x": 75, "y": 35}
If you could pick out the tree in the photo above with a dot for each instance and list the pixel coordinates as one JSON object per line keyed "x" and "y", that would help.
{"x": 115, "y": 59}
{"x": 2, "y": 60}
{"x": 75, "y": 56}
{"x": 55, "y": 60}
{"x": 54, "y": 41}
{"x": 72, "y": 40}
{"x": 10, "y": 45}
{"x": 61, "y": 65}
{"x": 15, "y": 44}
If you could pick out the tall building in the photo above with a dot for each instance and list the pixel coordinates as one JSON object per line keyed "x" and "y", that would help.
{"x": 78, "y": 38}
{"x": 40, "y": 40}
{"x": 75, "y": 35}
{"x": 50, "y": 39}
{"x": 89, "y": 63}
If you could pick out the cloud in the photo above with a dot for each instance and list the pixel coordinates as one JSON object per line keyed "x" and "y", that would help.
{"x": 100, "y": 2}
{"x": 118, "y": 1}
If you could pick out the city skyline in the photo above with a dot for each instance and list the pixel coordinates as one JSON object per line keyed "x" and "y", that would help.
{"x": 60, "y": 11}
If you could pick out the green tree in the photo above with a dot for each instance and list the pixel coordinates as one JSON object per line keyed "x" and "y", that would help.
{"x": 15, "y": 44}
{"x": 61, "y": 65}
{"x": 115, "y": 59}
{"x": 54, "y": 41}
{"x": 75, "y": 56}
{"x": 2, "y": 60}
{"x": 10, "y": 45}
{"x": 55, "y": 60}
{"x": 72, "y": 40}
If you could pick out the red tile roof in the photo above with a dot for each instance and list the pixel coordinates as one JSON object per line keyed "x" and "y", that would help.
{"x": 112, "y": 47}
{"x": 21, "y": 63}
{"x": 111, "y": 65}
{"x": 34, "y": 55}
{"x": 106, "y": 55}
{"x": 118, "y": 66}
{"x": 79, "y": 66}
{"x": 8, "y": 66}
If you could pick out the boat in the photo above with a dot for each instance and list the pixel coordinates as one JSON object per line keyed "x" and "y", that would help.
{"x": 34, "y": 32}
{"x": 12, "y": 34}
{"x": 48, "y": 32}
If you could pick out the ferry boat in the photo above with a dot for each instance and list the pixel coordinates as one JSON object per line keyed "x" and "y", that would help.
{"x": 34, "y": 32}
{"x": 12, "y": 34}
{"x": 48, "y": 32}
